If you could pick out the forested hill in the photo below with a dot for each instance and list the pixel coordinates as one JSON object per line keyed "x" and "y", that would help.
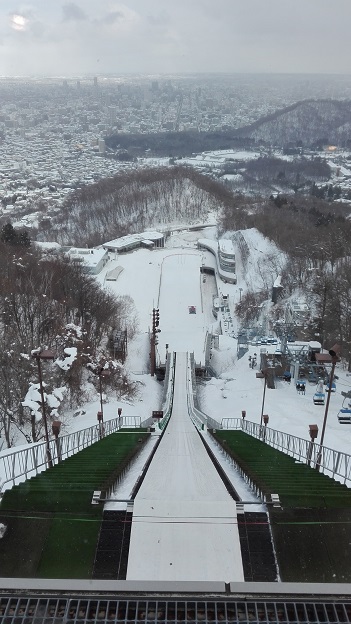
{"x": 175, "y": 144}
{"x": 309, "y": 123}
{"x": 135, "y": 201}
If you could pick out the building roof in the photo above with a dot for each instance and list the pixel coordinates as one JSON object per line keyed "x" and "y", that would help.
{"x": 134, "y": 239}
{"x": 90, "y": 257}
{"x": 226, "y": 246}
{"x": 324, "y": 358}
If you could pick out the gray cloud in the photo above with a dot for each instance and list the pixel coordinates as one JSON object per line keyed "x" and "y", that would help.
{"x": 158, "y": 19}
{"x": 150, "y": 36}
{"x": 38, "y": 29}
{"x": 113, "y": 17}
{"x": 72, "y": 12}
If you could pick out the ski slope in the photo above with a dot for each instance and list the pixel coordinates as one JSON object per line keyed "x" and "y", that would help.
{"x": 184, "y": 521}
{"x": 180, "y": 289}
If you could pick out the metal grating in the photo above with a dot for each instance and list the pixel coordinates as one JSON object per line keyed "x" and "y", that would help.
{"x": 40, "y": 610}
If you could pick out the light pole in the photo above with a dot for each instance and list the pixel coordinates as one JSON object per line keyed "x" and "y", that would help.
{"x": 265, "y": 420}
{"x": 240, "y": 291}
{"x": 101, "y": 372}
{"x": 56, "y": 426}
{"x": 334, "y": 352}
{"x": 155, "y": 330}
{"x": 313, "y": 436}
{"x": 264, "y": 394}
{"x": 44, "y": 354}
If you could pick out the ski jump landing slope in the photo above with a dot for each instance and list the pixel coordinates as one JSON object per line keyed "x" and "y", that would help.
{"x": 182, "y": 319}
{"x": 184, "y": 521}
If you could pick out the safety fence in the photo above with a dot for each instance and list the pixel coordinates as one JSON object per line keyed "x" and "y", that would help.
{"x": 168, "y": 403}
{"x": 198, "y": 417}
{"x": 334, "y": 463}
{"x": 16, "y": 466}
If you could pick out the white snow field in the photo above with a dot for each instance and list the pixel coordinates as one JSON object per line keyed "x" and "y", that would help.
{"x": 181, "y": 307}
{"x": 184, "y": 524}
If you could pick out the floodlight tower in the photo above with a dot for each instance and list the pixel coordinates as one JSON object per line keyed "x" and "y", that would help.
{"x": 155, "y": 330}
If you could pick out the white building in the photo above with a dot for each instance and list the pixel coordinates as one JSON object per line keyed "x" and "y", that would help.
{"x": 134, "y": 241}
{"x": 93, "y": 260}
{"x": 226, "y": 255}
{"x": 297, "y": 311}
{"x": 102, "y": 146}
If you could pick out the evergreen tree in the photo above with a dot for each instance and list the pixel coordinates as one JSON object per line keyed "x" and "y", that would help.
{"x": 9, "y": 234}
{"x": 23, "y": 239}
{"x": 14, "y": 237}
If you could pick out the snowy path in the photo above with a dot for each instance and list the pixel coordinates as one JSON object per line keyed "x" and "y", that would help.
{"x": 184, "y": 521}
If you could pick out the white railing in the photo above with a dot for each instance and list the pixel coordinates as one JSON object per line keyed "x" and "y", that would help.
{"x": 19, "y": 465}
{"x": 168, "y": 404}
{"x": 133, "y": 422}
{"x": 334, "y": 463}
{"x": 199, "y": 418}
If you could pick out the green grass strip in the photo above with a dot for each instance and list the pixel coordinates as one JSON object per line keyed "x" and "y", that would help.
{"x": 273, "y": 471}
{"x": 52, "y": 528}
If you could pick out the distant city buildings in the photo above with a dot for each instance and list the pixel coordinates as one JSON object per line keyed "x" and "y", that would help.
{"x": 53, "y": 131}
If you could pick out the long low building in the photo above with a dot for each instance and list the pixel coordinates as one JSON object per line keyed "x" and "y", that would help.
{"x": 150, "y": 240}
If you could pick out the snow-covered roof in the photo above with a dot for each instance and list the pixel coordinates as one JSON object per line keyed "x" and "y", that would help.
{"x": 132, "y": 240}
{"x": 226, "y": 246}
{"x": 47, "y": 245}
{"x": 277, "y": 282}
{"x": 90, "y": 257}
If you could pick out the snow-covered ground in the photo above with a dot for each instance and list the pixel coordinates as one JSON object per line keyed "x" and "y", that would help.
{"x": 181, "y": 274}
{"x": 237, "y": 387}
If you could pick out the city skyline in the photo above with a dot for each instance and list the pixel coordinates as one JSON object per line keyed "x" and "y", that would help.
{"x": 145, "y": 36}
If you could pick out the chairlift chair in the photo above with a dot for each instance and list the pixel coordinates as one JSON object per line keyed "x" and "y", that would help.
{"x": 344, "y": 416}
{"x": 301, "y": 386}
{"x": 319, "y": 398}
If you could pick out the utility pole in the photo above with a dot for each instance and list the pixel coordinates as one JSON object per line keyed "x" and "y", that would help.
{"x": 38, "y": 355}
{"x": 335, "y": 354}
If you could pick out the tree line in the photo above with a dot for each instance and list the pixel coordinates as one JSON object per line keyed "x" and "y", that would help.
{"x": 47, "y": 301}
{"x": 177, "y": 144}
{"x": 315, "y": 238}
{"x": 132, "y": 202}
{"x": 313, "y": 233}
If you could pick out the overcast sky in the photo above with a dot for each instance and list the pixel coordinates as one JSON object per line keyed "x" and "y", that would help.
{"x": 162, "y": 36}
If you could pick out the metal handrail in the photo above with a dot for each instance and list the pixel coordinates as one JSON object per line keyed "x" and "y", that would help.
{"x": 168, "y": 404}
{"x": 21, "y": 464}
{"x": 335, "y": 463}
{"x": 198, "y": 417}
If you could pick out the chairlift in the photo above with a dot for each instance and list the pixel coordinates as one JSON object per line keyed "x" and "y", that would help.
{"x": 301, "y": 386}
{"x": 287, "y": 376}
{"x": 332, "y": 388}
{"x": 344, "y": 414}
{"x": 319, "y": 398}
